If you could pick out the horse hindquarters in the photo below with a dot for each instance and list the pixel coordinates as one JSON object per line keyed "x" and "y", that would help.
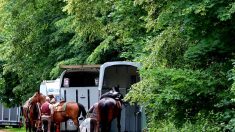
{"x": 105, "y": 116}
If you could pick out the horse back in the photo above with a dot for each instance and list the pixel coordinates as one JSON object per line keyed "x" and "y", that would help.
{"x": 64, "y": 111}
{"x": 72, "y": 107}
{"x": 59, "y": 107}
{"x": 109, "y": 103}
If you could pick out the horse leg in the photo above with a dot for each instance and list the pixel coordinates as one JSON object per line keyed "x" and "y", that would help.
{"x": 76, "y": 123}
{"x": 105, "y": 126}
{"x": 58, "y": 127}
{"x": 118, "y": 122}
{"x": 34, "y": 126}
{"x": 49, "y": 125}
{"x": 29, "y": 127}
{"x": 34, "y": 129}
{"x": 26, "y": 126}
{"x": 108, "y": 127}
{"x": 39, "y": 126}
{"x": 98, "y": 126}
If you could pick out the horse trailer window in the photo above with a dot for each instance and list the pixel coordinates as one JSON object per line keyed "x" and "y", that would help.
{"x": 121, "y": 75}
{"x": 79, "y": 79}
{"x": 13, "y": 113}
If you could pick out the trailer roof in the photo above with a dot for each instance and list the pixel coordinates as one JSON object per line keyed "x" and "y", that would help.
{"x": 81, "y": 67}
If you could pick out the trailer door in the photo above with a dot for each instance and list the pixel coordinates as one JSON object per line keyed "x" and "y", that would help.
{"x": 79, "y": 86}
{"x": 123, "y": 76}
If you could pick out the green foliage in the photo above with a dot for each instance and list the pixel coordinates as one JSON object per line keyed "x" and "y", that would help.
{"x": 28, "y": 39}
{"x": 110, "y": 26}
{"x": 188, "y": 69}
{"x": 186, "y": 49}
{"x": 167, "y": 89}
{"x": 202, "y": 125}
{"x": 39, "y": 36}
{"x": 232, "y": 77}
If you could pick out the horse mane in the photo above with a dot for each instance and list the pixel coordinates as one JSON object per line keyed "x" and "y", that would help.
{"x": 34, "y": 94}
{"x": 35, "y": 110}
{"x": 26, "y": 104}
{"x": 82, "y": 110}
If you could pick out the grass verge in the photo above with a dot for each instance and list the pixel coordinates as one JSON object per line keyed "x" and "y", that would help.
{"x": 10, "y": 129}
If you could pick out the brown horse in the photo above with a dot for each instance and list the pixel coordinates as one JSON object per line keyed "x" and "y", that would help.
{"x": 31, "y": 111}
{"x": 108, "y": 109}
{"x": 68, "y": 110}
{"x": 25, "y": 111}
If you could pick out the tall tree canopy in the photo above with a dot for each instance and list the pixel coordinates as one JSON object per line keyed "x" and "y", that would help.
{"x": 186, "y": 49}
{"x": 187, "y": 75}
{"x": 28, "y": 32}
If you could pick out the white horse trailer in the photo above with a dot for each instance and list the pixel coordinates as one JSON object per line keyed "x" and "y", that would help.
{"x": 78, "y": 83}
{"x": 51, "y": 87}
{"x": 10, "y": 116}
{"x": 86, "y": 83}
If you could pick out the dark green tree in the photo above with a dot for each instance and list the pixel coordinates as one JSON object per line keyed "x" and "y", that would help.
{"x": 186, "y": 75}
{"x": 29, "y": 41}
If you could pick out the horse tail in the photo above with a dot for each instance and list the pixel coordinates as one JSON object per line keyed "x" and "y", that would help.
{"x": 21, "y": 111}
{"x": 82, "y": 110}
{"x": 103, "y": 114}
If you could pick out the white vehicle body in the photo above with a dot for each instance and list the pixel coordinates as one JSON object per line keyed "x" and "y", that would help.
{"x": 51, "y": 87}
{"x": 10, "y": 116}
